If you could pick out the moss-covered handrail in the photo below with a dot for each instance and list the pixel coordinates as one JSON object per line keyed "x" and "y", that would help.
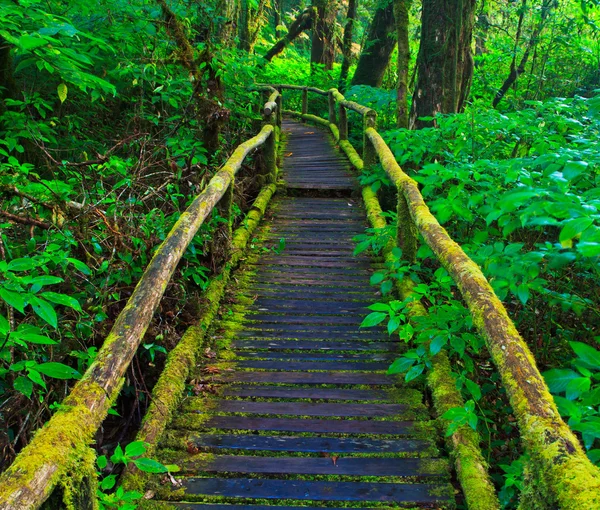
{"x": 559, "y": 473}
{"x": 61, "y": 443}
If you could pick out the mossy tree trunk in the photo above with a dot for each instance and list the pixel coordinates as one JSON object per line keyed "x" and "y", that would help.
{"x": 401, "y": 8}
{"x": 8, "y": 87}
{"x": 377, "y": 50}
{"x": 347, "y": 44}
{"x": 251, "y": 20}
{"x": 303, "y": 22}
{"x": 323, "y": 47}
{"x": 445, "y": 61}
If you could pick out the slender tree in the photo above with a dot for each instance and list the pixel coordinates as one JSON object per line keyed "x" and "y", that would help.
{"x": 323, "y": 44}
{"x": 445, "y": 61}
{"x": 347, "y": 43}
{"x": 377, "y": 50}
{"x": 401, "y": 8}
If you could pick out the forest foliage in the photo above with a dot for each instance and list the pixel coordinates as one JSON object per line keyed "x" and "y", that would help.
{"x": 113, "y": 115}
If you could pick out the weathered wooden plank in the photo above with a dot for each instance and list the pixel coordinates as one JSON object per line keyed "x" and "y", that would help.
{"x": 317, "y": 491}
{"x": 293, "y": 392}
{"x": 208, "y": 506}
{"x": 305, "y": 408}
{"x": 305, "y": 319}
{"x": 311, "y": 356}
{"x": 317, "y": 426}
{"x": 314, "y": 345}
{"x": 253, "y": 442}
{"x": 308, "y": 378}
{"x": 313, "y": 365}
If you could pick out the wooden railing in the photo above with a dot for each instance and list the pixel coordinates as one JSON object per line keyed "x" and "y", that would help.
{"x": 60, "y": 451}
{"x": 560, "y": 475}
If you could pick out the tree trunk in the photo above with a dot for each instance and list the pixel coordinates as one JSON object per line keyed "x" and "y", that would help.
{"x": 401, "y": 8}
{"x": 347, "y": 44}
{"x": 516, "y": 71}
{"x": 303, "y": 22}
{"x": 323, "y": 50}
{"x": 445, "y": 62}
{"x": 8, "y": 87}
{"x": 377, "y": 50}
{"x": 278, "y": 17}
{"x": 251, "y": 20}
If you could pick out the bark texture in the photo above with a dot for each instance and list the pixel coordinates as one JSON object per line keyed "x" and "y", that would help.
{"x": 377, "y": 50}
{"x": 323, "y": 44}
{"x": 401, "y": 8}
{"x": 347, "y": 44}
{"x": 445, "y": 61}
{"x": 303, "y": 22}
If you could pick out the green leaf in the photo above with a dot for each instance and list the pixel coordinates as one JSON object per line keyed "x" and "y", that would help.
{"x": 393, "y": 325}
{"x": 62, "y": 299}
{"x": 40, "y": 281}
{"x": 102, "y": 462}
{"x": 587, "y": 354}
{"x": 473, "y": 388}
{"x": 80, "y": 266}
{"x": 135, "y": 449}
{"x": 62, "y": 92}
{"x": 377, "y": 278}
{"x": 386, "y": 287}
{"x": 29, "y": 42}
{"x": 523, "y": 293}
{"x": 23, "y": 264}
{"x": 573, "y": 228}
{"x": 414, "y": 372}
{"x": 573, "y": 169}
{"x": 558, "y": 379}
{"x": 4, "y": 326}
{"x": 108, "y": 483}
{"x": 13, "y": 299}
{"x": 379, "y": 307}
{"x": 58, "y": 370}
{"x": 33, "y": 338}
{"x": 373, "y": 319}
{"x": 24, "y": 386}
{"x": 36, "y": 377}
{"x": 578, "y": 386}
{"x": 44, "y": 310}
{"x": 400, "y": 365}
{"x": 437, "y": 344}
{"x": 150, "y": 466}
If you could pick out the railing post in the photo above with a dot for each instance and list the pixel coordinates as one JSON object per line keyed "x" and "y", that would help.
{"x": 369, "y": 154}
{"x": 331, "y": 106}
{"x": 279, "y": 111}
{"x": 269, "y": 176}
{"x": 406, "y": 233}
{"x": 343, "y": 122}
{"x": 220, "y": 243}
{"x": 304, "y": 101}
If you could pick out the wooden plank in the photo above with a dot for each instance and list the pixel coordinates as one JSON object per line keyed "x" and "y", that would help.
{"x": 305, "y": 444}
{"x": 308, "y": 378}
{"x": 304, "y": 319}
{"x": 293, "y": 392}
{"x": 317, "y": 426}
{"x": 308, "y": 345}
{"x": 342, "y": 466}
{"x": 209, "y": 506}
{"x": 304, "y": 408}
{"x": 312, "y": 356}
{"x": 313, "y": 365}
{"x": 317, "y": 491}
{"x": 312, "y": 302}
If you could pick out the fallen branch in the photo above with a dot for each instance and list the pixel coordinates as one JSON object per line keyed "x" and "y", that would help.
{"x": 25, "y": 221}
{"x": 303, "y": 22}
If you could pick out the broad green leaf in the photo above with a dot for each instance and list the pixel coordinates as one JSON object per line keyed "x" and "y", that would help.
{"x": 379, "y": 307}
{"x": 29, "y": 42}
{"x": 377, "y": 278}
{"x": 393, "y": 325}
{"x": 573, "y": 169}
{"x": 400, "y": 365}
{"x": 577, "y": 386}
{"x": 523, "y": 293}
{"x": 108, "y": 483}
{"x": 45, "y": 280}
{"x": 4, "y": 326}
{"x": 150, "y": 466}
{"x": 135, "y": 449}
{"x": 62, "y": 299}
{"x": 58, "y": 370}
{"x": 437, "y": 344}
{"x": 473, "y": 388}
{"x": 386, "y": 287}
{"x": 24, "y": 386}
{"x": 44, "y": 310}
{"x": 34, "y": 338}
{"x": 567, "y": 407}
{"x": 36, "y": 377}
{"x": 573, "y": 228}
{"x": 23, "y": 264}
{"x": 414, "y": 372}
{"x": 587, "y": 354}
{"x": 558, "y": 378}
{"x": 102, "y": 462}
{"x": 373, "y": 319}
{"x": 14, "y": 299}
{"x": 62, "y": 92}
{"x": 80, "y": 266}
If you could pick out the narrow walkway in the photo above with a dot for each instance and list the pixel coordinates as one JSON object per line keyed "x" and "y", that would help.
{"x": 308, "y": 418}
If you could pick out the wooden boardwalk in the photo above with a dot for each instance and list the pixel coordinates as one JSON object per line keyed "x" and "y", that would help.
{"x": 308, "y": 418}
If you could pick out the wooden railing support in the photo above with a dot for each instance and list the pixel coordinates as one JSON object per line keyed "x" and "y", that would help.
{"x": 343, "y": 122}
{"x": 304, "y": 101}
{"x": 331, "y": 102}
{"x": 369, "y": 154}
{"x": 270, "y": 158}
